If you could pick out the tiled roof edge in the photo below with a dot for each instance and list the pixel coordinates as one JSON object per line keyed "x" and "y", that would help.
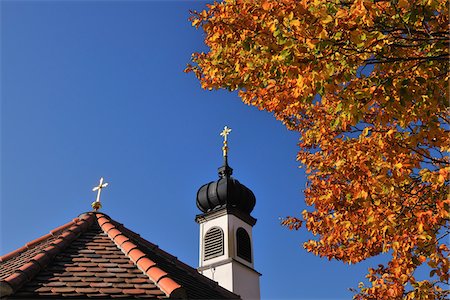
{"x": 26, "y": 272}
{"x": 146, "y": 265}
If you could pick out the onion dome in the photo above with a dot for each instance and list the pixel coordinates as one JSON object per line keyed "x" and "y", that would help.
{"x": 227, "y": 191}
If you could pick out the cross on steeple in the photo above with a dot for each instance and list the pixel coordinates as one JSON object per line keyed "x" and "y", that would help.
{"x": 96, "y": 205}
{"x": 225, "y": 132}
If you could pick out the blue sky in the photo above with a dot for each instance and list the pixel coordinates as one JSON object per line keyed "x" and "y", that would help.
{"x": 96, "y": 88}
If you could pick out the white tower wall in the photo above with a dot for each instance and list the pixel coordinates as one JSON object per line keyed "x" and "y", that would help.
{"x": 229, "y": 270}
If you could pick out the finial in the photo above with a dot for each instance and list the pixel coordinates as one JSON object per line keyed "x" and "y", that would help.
{"x": 225, "y": 170}
{"x": 225, "y": 132}
{"x": 96, "y": 205}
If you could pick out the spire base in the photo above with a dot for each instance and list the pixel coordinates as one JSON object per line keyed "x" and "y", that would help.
{"x": 225, "y": 170}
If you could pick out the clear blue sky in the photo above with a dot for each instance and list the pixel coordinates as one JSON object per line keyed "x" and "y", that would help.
{"x": 91, "y": 89}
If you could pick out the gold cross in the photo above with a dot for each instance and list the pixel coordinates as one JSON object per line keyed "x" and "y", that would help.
{"x": 226, "y": 131}
{"x": 96, "y": 204}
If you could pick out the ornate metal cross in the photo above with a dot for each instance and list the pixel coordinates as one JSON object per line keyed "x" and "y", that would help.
{"x": 96, "y": 205}
{"x": 226, "y": 131}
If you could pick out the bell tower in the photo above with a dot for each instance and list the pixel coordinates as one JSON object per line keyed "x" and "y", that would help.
{"x": 226, "y": 242}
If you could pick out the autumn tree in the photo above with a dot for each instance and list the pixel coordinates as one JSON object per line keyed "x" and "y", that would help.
{"x": 365, "y": 83}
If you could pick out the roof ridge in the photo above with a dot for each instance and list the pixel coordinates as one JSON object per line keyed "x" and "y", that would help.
{"x": 26, "y": 272}
{"x": 139, "y": 258}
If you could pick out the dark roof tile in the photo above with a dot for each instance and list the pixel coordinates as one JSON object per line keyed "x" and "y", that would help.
{"x": 81, "y": 259}
{"x": 63, "y": 289}
{"x": 87, "y": 264}
{"x": 87, "y": 290}
{"x": 111, "y": 291}
{"x": 55, "y": 283}
{"x": 120, "y": 296}
{"x": 135, "y": 280}
{"x": 78, "y": 284}
{"x": 129, "y": 285}
{"x": 93, "y": 279}
{"x": 108, "y": 265}
{"x": 43, "y": 289}
{"x": 133, "y": 291}
{"x": 74, "y": 279}
{"x": 100, "y": 260}
{"x": 105, "y": 275}
{"x": 101, "y": 284}
{"x": 75, "y": 269}
{"x": 116, "y": 270}
{"x": 113, "y": 279}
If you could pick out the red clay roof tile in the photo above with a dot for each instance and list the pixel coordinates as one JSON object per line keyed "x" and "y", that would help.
{"x": 155, "y": 274}
{"x": 127, "y": 247}
{"x": 107, "y": 227}
{"x": 120, "y": 239}
{"x": 169, "y": 285}
{"x": 145, "y": 263}
{"x": 136, "y": 254}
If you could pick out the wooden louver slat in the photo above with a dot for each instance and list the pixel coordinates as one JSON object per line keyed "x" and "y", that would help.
{"x": 213, "y": 245}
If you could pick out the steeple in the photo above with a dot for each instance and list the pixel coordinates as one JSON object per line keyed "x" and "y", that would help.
{"x": 226, "y": 245}
{"x": 226, "y": 192}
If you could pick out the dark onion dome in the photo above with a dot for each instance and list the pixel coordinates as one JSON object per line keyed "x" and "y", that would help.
{"x": 225, "y": 192}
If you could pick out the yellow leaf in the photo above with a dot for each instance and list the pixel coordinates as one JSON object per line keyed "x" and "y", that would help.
{"x": 310, "y": 44}
{"x": 323, "y": 34}
{"x": 327, "y": 20}
{"x": 420, "y": 227}
{"x": 195, "y": 22}
{"x": 363, "y": 194}
{"x": 273, "y": 27}
{"x": 395, "y": 245}
{"x": 295, "y": 23}
{"x": 341, "y": 13}
{"x": 365, "y": 131}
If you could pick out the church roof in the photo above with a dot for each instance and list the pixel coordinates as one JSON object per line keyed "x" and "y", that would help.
{"x": 94, "y": 256}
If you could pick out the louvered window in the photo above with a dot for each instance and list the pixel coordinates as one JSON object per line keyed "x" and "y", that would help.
{"x": 244, "y": 248}
{"x": 213, "y": 243}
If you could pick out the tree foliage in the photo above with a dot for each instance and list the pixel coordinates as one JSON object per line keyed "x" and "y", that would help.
{"x": 365, "y": 83}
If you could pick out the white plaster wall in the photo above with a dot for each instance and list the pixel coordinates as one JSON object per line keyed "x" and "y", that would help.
{"x": 245, "y": 282}
{"x": 236, "y": 278}
{"x": 222, "y": 274}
